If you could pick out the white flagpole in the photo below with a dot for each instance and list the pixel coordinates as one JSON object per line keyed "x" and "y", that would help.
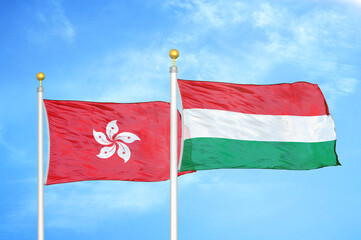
{"x": 40, "y": 76}
{"x": 173, "y": 148}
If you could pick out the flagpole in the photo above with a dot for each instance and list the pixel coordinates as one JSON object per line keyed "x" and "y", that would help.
{"x": 173, "y": 148}
{"x": 40, "y": 76}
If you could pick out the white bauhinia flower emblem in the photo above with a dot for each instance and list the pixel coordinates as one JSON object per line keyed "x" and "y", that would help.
{"x": 111, "y": 130}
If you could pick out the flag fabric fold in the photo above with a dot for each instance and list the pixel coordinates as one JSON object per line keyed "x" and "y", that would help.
{"x": 281, "y": 126}
{"x": 108, "y": 141}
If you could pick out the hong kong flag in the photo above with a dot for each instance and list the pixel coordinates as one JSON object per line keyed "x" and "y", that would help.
{"x": 108, "y": 141}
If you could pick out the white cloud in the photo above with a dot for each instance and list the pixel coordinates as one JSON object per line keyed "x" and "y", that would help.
{"x": 123, "y": 75}
{"x": 312, "y": 43}
{"x": 135, "y": 75}
{"x": 211, "y": 13}
{"x": 352, "y": 2}
{"x": 13, "y": 150}
{"x": 52, "y": 22}
{"x": 85, "y": 204}
{"x": 335, "y": 88}
{"x": 267, "y": 16}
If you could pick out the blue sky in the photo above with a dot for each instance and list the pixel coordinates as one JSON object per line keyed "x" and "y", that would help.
{"x": 118, "y": 51}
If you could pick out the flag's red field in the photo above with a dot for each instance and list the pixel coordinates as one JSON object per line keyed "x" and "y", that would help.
{"x": 108, "y": 141}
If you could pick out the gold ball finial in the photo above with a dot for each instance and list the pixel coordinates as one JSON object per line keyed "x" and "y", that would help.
{"x": 173, "y": 54}
{"x": 40, "y": 76}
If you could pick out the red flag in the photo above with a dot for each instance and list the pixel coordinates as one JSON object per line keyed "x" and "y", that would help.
{"x": 108, "y": 141}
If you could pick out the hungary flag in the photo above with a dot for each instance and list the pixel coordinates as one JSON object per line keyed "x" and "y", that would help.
{"x": 281, "y": 126}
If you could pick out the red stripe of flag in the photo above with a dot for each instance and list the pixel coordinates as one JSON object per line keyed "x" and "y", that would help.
{"x": 299, "y": 99}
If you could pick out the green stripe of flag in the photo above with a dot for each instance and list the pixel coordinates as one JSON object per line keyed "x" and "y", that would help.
{"x": 215, "y": 153}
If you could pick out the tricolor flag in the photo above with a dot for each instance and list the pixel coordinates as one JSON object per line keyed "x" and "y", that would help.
{"x": 281, "y": 126}
{"x": 108, "y": 141}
